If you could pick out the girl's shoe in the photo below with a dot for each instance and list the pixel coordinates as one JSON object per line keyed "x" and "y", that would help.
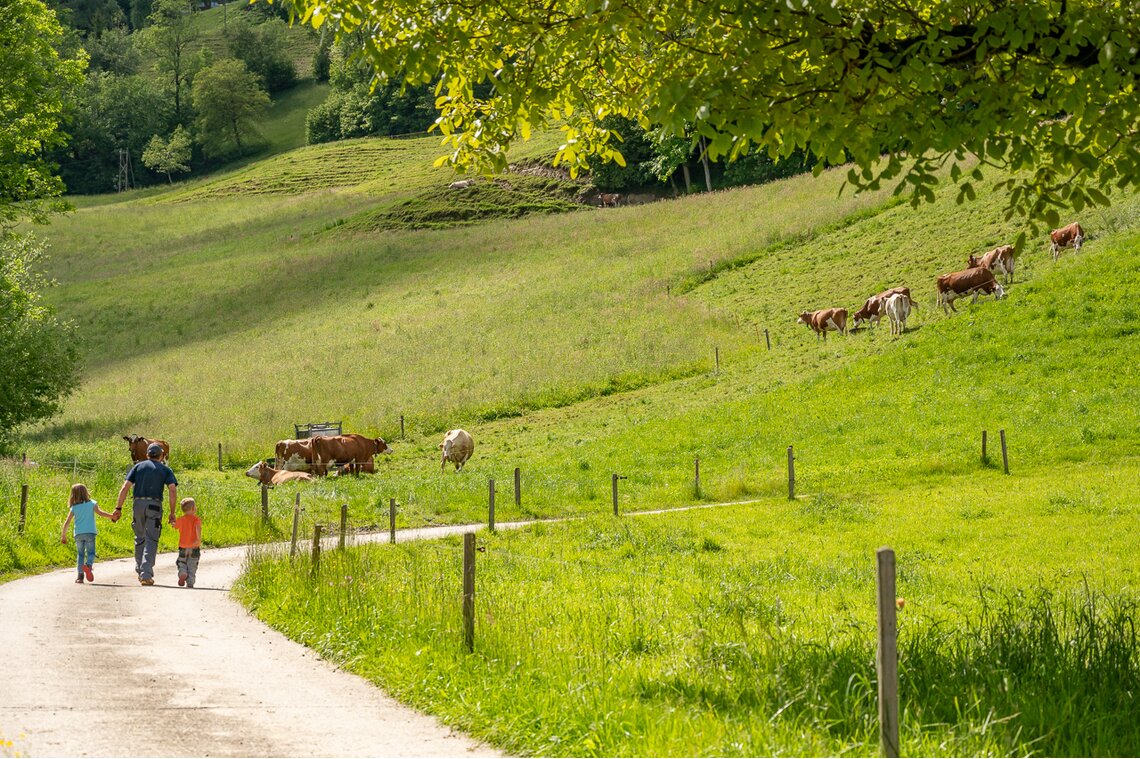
{"x": 87, "y": 571}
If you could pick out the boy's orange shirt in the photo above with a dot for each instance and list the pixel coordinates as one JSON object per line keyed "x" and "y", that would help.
{"x": 189, "y": 534}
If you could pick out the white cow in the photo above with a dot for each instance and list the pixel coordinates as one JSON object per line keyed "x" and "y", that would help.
{"x": 457, "y": 447}
{"x": 898, "y": 309}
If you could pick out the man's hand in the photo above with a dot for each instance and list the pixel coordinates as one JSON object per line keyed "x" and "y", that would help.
{"x": 63, "y": 539}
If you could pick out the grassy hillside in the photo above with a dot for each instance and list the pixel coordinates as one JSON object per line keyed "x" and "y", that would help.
{"x": 445, "y": 327}
{"x": 578, "y": 345}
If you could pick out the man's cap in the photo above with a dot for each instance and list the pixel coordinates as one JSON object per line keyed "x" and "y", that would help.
{"x": 154, "y": 450}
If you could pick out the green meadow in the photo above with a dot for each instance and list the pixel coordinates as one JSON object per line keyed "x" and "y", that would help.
{"x": 317, "y": 284}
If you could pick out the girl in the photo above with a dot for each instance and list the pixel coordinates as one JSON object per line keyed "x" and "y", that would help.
{"x": 83, "y": 511}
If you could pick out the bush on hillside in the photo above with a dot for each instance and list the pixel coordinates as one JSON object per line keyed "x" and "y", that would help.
{"x": 636, "y": 148}
{"x": 758, "y": 168}
{"x": 263, "y": 49}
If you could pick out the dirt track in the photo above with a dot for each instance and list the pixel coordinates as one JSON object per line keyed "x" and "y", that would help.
{"x": 116, "y": 669}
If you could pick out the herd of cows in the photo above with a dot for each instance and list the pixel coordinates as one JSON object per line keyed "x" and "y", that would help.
{"x": 323, "y": 455}
{"x": 976, "y": 280}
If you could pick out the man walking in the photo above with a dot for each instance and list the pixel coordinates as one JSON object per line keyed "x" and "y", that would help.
{"x": 148, "y": 478}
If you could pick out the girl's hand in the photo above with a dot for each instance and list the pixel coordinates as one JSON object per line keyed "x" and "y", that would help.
{"x": 63, "y": 539}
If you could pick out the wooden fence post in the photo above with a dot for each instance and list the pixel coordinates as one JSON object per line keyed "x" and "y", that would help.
{"x": 791, "y": 474}
{"x": 984, "y": 459}
{"x": 614, "y": 482}
{"x": 491, "y": 505}
{"x": 1004, "y": 452}
{"x": 717, "y": 350}
{"x": 401, "y": 426}
{"x": 697, "y": 477}
{"x": 316, "y": 550}
{"x": 264, "y": 503}
{"x": 219, "y": 457}
{"x": 767, "y": 340}
{"x": 343, "y": 523}
{"x": 296, "y": 522}
{"x": 23, "y": 508}
{"x": 469, "y": 591}
{"x": 518, "y": 487}
{"x": 888, "y": 658}
{"x": 392, "y": 519}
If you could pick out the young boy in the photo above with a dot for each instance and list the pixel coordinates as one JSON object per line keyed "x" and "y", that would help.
{"x": 189, "y": 528}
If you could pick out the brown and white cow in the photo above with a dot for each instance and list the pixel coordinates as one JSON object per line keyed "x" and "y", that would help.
{"x": 267, "y": 475}
{"x": 342, "y": 449}
{"x": 898, "y": 309}
{"x": 823, "y": 320}
{"x": 873, "y": 309}
{"x": 1065, "y": 236}
{"x": 1000, "y": 259}
{"x": 294, "y": 455}
{"x": 138, "y": 445}
{"x": 457, "y": 447}
{"x": 610, "y": 199}
{"x": 959, "y": 284}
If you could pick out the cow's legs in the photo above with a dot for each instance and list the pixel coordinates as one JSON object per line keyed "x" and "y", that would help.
{"x": 1077, "y": 242}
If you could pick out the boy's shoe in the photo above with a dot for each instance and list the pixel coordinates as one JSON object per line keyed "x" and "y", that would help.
{"x": 146, "y": 581}
{"x": 90, "y": 575}
{"x": 189, "y": 584}
{"x": 182, "y": 580}
{"x": 79, "y": 580}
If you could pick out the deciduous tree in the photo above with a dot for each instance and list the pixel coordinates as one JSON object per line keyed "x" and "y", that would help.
{"x": 169, "y": 156}
{"x": 1047, "y": 88}
{"x": 35, "y": 85}
{"x": 228, "y": 101}
{"x": 169, "y": 38}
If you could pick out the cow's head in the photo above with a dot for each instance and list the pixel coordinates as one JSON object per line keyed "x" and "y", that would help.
{"x": 999, "y": 291}
{"x": 131, "y": 438}
{"x": 381, "y": 446}
{"x": 256, "y": 470}
{"x": 804, "y": 318}
{"x": 973, "y": 261}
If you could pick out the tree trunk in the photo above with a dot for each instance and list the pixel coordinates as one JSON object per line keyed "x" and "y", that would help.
{"x": 237, "y": 136}
{"x": 705, "y": 163}
{"x": 688, "y": 179}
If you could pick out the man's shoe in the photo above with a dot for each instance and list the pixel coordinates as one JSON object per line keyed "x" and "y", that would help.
{"x": 87, "y": 571}
{"x": 146, "y": 581}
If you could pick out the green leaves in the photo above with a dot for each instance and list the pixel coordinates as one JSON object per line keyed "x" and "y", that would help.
{"x": 1010, "y": 81}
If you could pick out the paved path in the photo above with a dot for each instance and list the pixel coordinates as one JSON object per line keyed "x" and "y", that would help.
{"x": 117, "y": 669}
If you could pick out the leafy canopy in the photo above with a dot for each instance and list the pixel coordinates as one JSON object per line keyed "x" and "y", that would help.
{"x": 35, "y": 84}
{"x": 39, "y": 355}
{"x": 1046, "y": 88}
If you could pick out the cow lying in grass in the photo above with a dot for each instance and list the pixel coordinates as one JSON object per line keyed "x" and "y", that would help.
{"x": 267, "y": 475}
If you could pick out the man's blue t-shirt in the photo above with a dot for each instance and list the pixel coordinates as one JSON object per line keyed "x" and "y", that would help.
{"x": 150, "y": 478}
{"x": 84, "y": 517}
